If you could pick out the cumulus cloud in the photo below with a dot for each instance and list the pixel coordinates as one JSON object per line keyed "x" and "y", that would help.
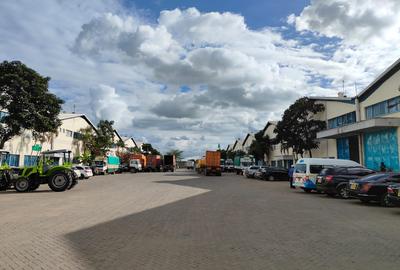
{"x": 352, "y": 20}
{"x": 107, "y": 104}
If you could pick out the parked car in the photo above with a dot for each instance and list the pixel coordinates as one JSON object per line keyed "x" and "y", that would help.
{"x": 272, "y": 173}
{"x": 306, "y": 170}
{"x": 83, "y": 172}
{"x": 333, "y": 181}
{"x": 394, "y": 194}
{"x": 373, "y": 187}
{"x": 250, "y": 172}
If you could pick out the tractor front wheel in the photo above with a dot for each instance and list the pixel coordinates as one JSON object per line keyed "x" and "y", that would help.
{"x": 34, "y": 185}
{"x": 59, "y": 182}
{"x": 21, "y": 184}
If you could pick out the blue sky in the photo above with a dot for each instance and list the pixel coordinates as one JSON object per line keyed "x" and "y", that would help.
{"x": 186, "y": 75}
{"x": 257, "y": 13}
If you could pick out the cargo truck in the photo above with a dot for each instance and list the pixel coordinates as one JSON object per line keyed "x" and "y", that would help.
{"x": 104, "y": 165}
{"x": 242, "y": 162}
{"x": 153, "y": 163}
{"x": 213, "y": 163}
{"x": 169, "y": 163}
{"x": 137, "y": 163}
{"x": 200, "y": 165}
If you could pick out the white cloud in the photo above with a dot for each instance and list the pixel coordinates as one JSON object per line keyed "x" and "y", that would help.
{"x": 105, "y": 103}
{"x": 113, "y": 64}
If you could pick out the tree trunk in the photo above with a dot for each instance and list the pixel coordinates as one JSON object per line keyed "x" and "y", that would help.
{"x": 3, "y": 142}
{"x": 309, "y": 151}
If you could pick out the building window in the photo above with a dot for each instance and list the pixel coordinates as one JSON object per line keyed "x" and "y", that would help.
{"x": 69, "y": 133}
{"x": 78, "y": 135}
{"x": 13, "y": 160}
{"x": 382, "y": 108}
{"x": 342, "y": 120}
{"x": 30, "y": 160}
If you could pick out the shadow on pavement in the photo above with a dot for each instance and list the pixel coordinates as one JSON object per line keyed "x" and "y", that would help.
{"x": 221, "y": 229}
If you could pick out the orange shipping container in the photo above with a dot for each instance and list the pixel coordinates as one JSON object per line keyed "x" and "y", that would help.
{"x": 153, "y": 161}
{"x": 213, "y": 159}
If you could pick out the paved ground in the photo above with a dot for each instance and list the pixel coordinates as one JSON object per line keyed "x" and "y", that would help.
{"x": 182, "y": 221}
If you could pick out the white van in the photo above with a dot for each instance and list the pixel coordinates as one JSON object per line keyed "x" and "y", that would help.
{"x": 307, "y": 169}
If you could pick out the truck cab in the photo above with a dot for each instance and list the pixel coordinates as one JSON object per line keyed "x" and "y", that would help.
{"x": 135, "y": 165}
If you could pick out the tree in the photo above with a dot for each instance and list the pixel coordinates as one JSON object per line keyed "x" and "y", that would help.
{"x": 177, "y": 153}
{"x": 99, "y": 142}
{"x": 298, "y": 129}
{"x": 26, "y": 102}
{"x": 134, "y": 150}
{"x": 149, "y": 150}
{"x": 261, "y": 146}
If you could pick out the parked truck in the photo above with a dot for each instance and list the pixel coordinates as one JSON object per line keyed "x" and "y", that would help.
{"x": 104, "y": 165}
{"x": 169, "y": 163}
{"x": 213, "y": 163}
{"x": 200, "y": 165}
{"x": 137, "y": 163}
{"x": 242, "y": 162}
{"x": 154, "y": 163}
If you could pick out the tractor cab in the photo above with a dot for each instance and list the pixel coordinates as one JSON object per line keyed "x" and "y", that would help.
{"x": 5, "y": 171}
{"x": 4, "y": 159}
{"x": 53, "y": 158}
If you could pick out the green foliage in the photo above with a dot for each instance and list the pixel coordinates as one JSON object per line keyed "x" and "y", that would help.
{"x": 177, "y": 153}
{"x": 134, "y": 150}
{"x": 98, "y": 143}
{"x": 85, "y": 158}
{"x": 223, "y": 153}
{"x": 28, "y": 104}
{"x": 298, "y": 129}
{"x": 261, "y": 146}
{"x": 149, "y": 150}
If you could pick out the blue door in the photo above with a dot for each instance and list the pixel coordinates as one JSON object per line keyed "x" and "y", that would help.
{"x": 343, "y": 149}
{"x": 381, "y": 146}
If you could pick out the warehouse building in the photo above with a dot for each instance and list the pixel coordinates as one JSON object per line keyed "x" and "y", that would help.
{"x": 67, "y": 137}
{"x": 370, "y": 132}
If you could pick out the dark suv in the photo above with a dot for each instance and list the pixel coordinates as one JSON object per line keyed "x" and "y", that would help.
{"x": 333, "y": 181}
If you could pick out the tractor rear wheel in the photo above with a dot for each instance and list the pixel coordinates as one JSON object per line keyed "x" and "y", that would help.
{"x": 21, "y": 184}
{"x": 59, "y": 181}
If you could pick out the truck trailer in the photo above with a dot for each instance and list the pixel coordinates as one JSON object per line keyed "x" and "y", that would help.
{"x": 213, "y": 163}
{"x": 169, "y": 163}
{"x": 154, "y": 163}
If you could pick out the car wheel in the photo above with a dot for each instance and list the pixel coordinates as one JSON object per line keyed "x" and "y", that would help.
{"x": 385, "y": 201}
{"x": 343, "y": 192}
{"x": 271, "y": 178}
{"x": 21, "y": 185}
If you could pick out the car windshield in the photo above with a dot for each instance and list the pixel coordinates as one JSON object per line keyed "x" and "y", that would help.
{"x": 99, "y": 163}
{"x": 300, "y": 168}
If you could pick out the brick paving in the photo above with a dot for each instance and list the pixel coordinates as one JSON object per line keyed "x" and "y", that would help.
{"x": 183, "y": 221}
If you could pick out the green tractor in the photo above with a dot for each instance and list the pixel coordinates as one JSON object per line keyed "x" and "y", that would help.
{"x": 5, "y": 171}
{"x": 48, "y": 171}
